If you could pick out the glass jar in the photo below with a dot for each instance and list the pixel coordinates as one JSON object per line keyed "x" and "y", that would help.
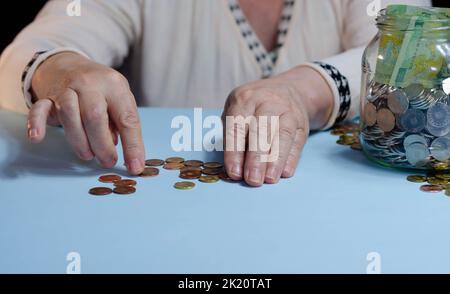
{"x": 405, "y": 108}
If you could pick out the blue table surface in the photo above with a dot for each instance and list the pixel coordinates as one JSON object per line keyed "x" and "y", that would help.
{"x": 337, "y": 209}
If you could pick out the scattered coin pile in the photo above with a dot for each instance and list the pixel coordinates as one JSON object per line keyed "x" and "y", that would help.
{"x": 432, "y": 183}
{"x": 348, "y": 135}
{"x": 189, "y": 170}
{"x": 436, "y": 181}
{"x": 407, "y": 127}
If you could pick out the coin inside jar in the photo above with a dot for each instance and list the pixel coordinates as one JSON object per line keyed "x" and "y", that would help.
{"x": 175, "y": 160}
{"x": 124, "y": 190}
{"x": 386, "y": 120}
{"x": 100, "y": 191}
{"x": 370, "y": 114}
{"x": 109, "y": 178}
{"x": 149, "y": 172}
{"x": 154, "y": 162}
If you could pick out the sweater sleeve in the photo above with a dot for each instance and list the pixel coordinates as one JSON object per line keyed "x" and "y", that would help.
{"x": 104, "y": 30}
{"x": 343, "y": 71}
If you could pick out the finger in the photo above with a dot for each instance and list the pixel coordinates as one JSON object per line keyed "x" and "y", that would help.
{"x": 37, "y": 120}
{"x": 114, "y": 133}
{"x": 123, "y": 112}
{"x": 295, "y": 153}
{"x": 255, "y": 157}
{"x": 94, "y": 115}
{"x": 282, "y": 143}
{"x": 235, "y": 134}
{"x": 68, "y": 112}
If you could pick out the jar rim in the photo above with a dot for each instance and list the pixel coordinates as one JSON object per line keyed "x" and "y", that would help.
{"x": 403, "y": 22}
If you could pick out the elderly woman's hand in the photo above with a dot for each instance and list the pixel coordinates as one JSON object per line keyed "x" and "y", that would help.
{"x": 92, "y": 102}
{"x": 300, "y": 99}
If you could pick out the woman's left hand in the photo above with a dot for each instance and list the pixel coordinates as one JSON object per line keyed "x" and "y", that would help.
{"x": 297, "y": 99}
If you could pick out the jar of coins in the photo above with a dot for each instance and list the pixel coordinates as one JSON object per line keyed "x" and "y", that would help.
{"x": 405, "y": 109}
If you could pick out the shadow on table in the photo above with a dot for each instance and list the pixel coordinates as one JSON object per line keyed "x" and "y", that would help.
{"x": 52, "y": 157}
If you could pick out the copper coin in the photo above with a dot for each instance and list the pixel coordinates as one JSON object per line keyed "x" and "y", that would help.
{"x": 124, "y": 190}
{"x": 212, "y": 171}
{"x": 225, "y": 177}
{"x": 149, "y": 172}
{"x": 431, "y": 188}
{"x": 209, "y": 179}
{"x": 213, "y": 165}
{"x": 173, "y": 166}
{"x": 109, "y": 178}
{"x": 175, "y": 160}
{"x": 154, "y": 162}
{"x": 191, "y": 169}
{"x": 370, "y": 114}
{"x": 100, "y": 191}
{"x": 386, "y": 120}
{"x": 193, "y": 175}
{"x": 193, "y": 163}
{"x": 184, "y": 185}
{"x": 125, "y": 182}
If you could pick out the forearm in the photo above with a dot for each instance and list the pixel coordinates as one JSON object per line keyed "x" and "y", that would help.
{"x": 314, "y": 91}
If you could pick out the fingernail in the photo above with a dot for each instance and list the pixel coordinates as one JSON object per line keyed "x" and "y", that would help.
{"x": 271, "y": 174}
{"x": 135, "y": 166}
{"x": 236, "y": 170}
{"x": 255, "y": 176}
{"x": 32, "y": 133}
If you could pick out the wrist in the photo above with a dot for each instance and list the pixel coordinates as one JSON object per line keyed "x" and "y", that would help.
{"x": 312, "y": 92}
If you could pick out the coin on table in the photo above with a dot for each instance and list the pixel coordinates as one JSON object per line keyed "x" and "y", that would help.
{"x": 414, "y": 91}
{"x": 357, "y": 146}
{"x": 173, "y": 166}
{"x": 370, "y": 114}
{"x": 175, "y": 160}
{"x": 417, "y": 179}
{"x": 125, "y": 182}
{"x": 209, "y": 179}
{"x": 154, "y": 162}
{"x": 414, "y": 139}
{"x": 431, "y": 188}
{"x": 440, "y": 149}
{"x": 190, "y": 169}
{"x": 213, "y": 165}
{"x": 190, "y": 175}
{"x": 212, "y": 171}
{"x": 386, "y": 120}
{"x": 193, "y": 163}
{"x": 398, "y": 102}
{"x": 149, "y": 172}
{"x": 413, "y": 121}
{"x": 225, "y": 177}
{"x": 436, "y": 181}
{"x": 124, "y": 190}
{"x": 441, "y": 166}
{"x": 109, "y": 178}
{"x": 417, "y": 153}
{"x": 100, "y": 191}
{"x": 443, "y": 176}
{"x": 184, "y": 185}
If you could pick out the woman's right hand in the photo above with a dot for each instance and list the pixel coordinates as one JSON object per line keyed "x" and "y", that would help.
{"x": 93, "y": 103}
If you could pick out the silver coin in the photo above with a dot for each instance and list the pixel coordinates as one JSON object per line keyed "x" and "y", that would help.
{"x": 414, "y": 91}
{"x": 398, "y": 102}
{"x": 413, "y": 121}
{"x": 370, "y": 114}
{"x": 440, "y": 149}
{"x": 413, "y": 139}
{"x": 417, "y": 154}
{"x": 438, "y": 116}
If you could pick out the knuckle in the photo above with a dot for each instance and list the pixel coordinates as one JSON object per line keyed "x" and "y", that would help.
{"x": 95, "y": 113}
{"x": 287, "y": 131}
{"x": 116, "y": 77}
{"x": 129, "y": 120}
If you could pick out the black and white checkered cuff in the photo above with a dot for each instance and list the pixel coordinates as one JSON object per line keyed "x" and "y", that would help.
{"x": 343, "y": 89}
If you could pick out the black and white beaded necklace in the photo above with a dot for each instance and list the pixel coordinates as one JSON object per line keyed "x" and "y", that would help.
{"x": 266, "y": 60}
